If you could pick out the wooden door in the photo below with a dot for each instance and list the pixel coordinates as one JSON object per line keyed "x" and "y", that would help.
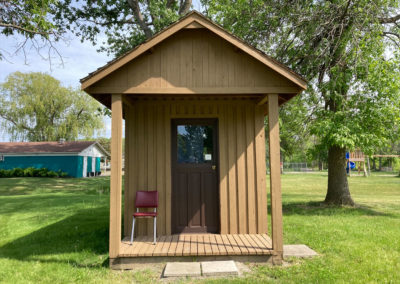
{"x": 195, "y": 194}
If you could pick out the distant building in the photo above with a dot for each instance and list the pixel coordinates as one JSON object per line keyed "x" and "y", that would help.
{"x": 77, "y": 158}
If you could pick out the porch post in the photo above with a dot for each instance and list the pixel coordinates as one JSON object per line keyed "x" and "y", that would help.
{"x": 116, "y": 175}
{"x": 275, "y": 178}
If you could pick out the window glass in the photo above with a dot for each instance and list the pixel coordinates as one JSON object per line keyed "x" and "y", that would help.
{"x": 195, "y": 144}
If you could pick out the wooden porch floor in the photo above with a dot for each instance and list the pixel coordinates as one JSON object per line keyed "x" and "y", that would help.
{"x": 198, "y": 245}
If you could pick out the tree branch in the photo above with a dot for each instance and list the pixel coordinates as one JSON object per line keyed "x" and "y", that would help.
{"x": 185, "y": 7}
{"x": 389, "y": 20}
{"x": 170, "y": 3}
{"x": 17, "y": 27}
{"x": 134, "y": 4}
{"x": 391, "y": 33}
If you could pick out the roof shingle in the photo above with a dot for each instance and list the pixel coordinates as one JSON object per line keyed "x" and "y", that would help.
{"x": 45, "y": 147}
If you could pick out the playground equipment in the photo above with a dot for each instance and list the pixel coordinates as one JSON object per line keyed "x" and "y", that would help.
{"x": 350, "y": 165}
{"x": 354, "y": 157}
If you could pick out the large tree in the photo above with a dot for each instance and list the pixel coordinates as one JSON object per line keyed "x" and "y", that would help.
{"x": 126, "y": 23}
{"x": 347, "y": 49}
{"x": 35, "y": 107}
{"x": 349, "y": 52}
{"x": 33, "y": 21}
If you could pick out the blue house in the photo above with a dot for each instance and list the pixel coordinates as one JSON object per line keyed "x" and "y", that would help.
{"x": 76, "y": 158}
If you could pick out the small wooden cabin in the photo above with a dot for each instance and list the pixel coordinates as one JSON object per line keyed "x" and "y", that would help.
{"x": 194, "y": 98}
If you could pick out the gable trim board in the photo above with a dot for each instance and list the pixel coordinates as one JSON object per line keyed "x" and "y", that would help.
{"x": 198, "y": 19}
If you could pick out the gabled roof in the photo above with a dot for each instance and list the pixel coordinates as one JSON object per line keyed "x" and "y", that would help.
{"x": 47, "y": 147}
{"x": 194, "y": 18}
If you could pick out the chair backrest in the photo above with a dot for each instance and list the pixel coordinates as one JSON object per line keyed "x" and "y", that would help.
{"x": 146, "y": 199}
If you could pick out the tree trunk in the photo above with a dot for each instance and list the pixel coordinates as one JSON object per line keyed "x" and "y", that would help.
{"x": 338, "y": 188}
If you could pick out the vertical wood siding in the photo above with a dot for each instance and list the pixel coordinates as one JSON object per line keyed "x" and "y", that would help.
{"x": 194, "y": 59}
{"x": 242, "y": 185}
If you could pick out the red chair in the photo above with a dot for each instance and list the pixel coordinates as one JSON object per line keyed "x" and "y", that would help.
{"x": 146, "y": 199}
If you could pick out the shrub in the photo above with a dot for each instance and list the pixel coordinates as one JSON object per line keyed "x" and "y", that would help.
{"x": 4, "y": 173}
{"x": 17, "y": 172}
{"x": 31, "y": 172}
{"x": 52, "y": 174}
{"x": 43, "y": 172}
{"x": 62, "y": 174}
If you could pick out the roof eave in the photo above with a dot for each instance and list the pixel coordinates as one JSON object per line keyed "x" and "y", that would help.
{"x": 194, "y": 16}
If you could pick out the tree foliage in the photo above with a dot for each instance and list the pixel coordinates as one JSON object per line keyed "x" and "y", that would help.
{"x": 126, "y": 23}
{"x": 349, "y": 52}
{"x": 35, "y": 107}
{"x": 33, "y": 20}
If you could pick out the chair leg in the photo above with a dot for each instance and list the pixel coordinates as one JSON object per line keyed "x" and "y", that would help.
{"x": 155, "y": 230}
{"x": 133, "y": 229}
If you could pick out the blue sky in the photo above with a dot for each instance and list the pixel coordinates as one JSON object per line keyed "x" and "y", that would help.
{"x": 79, "y": 59}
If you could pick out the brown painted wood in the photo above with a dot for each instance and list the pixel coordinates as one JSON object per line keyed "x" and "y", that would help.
{"x": 186, "y": 245}
{"x": 234, "y": 245}
{"x": 247, "y": 91}
{"x": 166, "y": 246}
{"x": 223, "y": 170}
{"x": 207, "y": 245}
{"x": 158, "y": 248}
{"x": 258, "y": 245}
{"x": 197, "y": 245}
{"x": 167, "y": 165}
{"x": 254, "y": 244}
{"x": 214, "y": 245}
{"x": 275, "y": 179}
{"x": 127, "y": 193}
{"x": 221, "y": 245}
{"x": 137, "y": 245}
{"x": 228, "y": 246}
{"x": 194, "y": 187}
{"x": 247, "y": 244}
{"x": 140, "y": 175}
{"x": 193, "y": 244}
{"x": 179, "y": 247}
{"x": 250, "y": 171}
{"x": 116, "y": 176}
{"x": 267, "y": 239}
{"x": 241, "y": 171}
{"x": 260, "y": 171}
{"x": 213, "y": 30}
{"x": 240, "y": 244}
{"x": 200, "y": 245}
{"x": 232, "y": 176}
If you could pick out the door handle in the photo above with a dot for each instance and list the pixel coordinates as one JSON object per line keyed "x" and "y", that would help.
{"x": 214, "y": 167}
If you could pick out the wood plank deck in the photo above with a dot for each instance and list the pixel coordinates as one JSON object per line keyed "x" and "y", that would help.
{"x": 198, "y": 245}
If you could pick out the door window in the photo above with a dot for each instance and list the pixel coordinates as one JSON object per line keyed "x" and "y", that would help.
{"x": 195, "y": 144}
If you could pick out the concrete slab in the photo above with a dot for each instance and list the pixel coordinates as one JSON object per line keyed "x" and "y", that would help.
{"x": 298, "y": 251}
{"x": 219, "y": 268}
{"x": 182, "y": 269}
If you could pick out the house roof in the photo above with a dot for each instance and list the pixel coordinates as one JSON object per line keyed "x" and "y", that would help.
{"x": 47, "y": 147}
{"x": 193, "y": 18}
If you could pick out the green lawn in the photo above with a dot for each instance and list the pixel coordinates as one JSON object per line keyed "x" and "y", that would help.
{"x": 56, "y": 231}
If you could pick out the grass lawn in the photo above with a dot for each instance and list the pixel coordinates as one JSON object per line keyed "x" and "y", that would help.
{"x": 56, "y": 231}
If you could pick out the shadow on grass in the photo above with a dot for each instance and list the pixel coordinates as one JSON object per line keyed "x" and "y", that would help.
{"x": 86, "y": 233}
{"x": 321, "y": 209}
{"x": 27, "y": 186}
